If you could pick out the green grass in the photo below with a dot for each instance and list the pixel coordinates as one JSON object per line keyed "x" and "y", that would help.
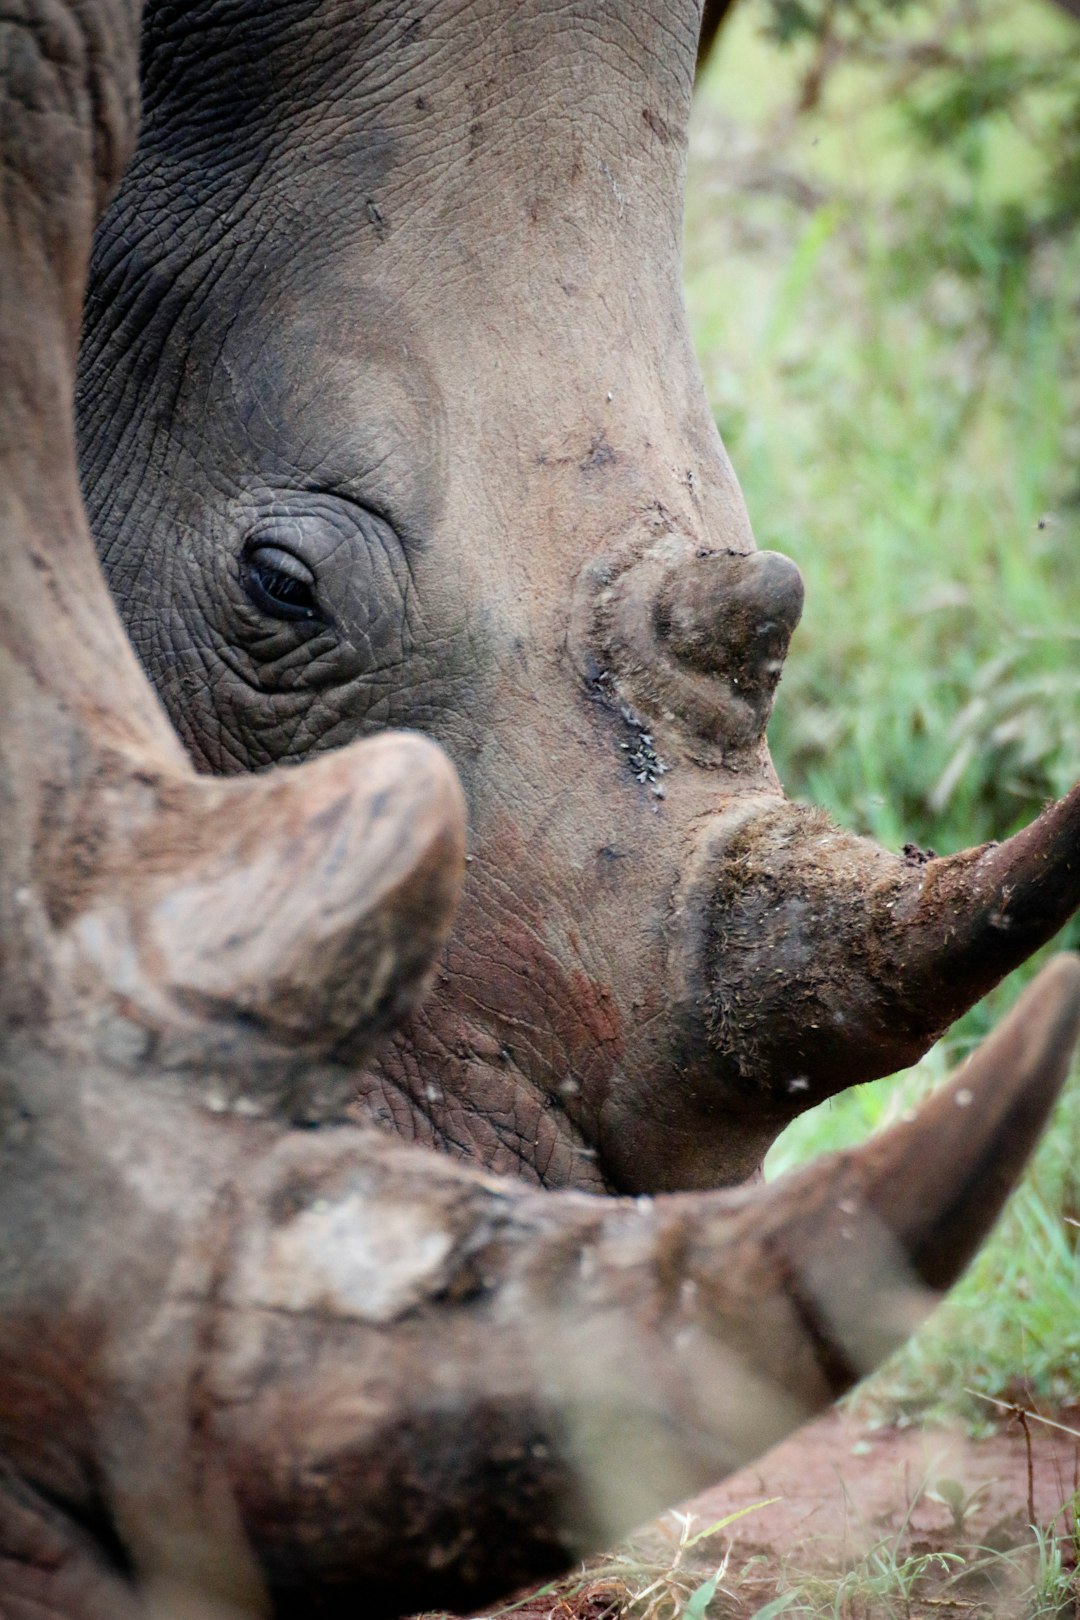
{"x": 901, "y": 400}
{"x": 1035, "y": 1581}
{"x": 898, "y": 1577}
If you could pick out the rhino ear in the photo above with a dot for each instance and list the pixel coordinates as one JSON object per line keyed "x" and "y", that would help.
{"x": 303, "y": 907}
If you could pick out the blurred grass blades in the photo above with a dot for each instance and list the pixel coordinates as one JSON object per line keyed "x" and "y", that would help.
{"x": 896, "y": 376}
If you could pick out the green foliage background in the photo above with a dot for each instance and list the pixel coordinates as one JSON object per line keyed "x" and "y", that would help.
{"x": 883, "y": 272}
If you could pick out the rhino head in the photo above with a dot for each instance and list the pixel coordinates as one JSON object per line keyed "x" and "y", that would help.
{"x": 253, "y": 1370}
{"x": 389, "y": 416}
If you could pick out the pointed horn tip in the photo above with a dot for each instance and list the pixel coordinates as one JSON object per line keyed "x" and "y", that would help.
{"x": 1027, "y": 1057}
{"x": 1007, "y": 899}
{"x": 1051, "y": 840}
{"x": 1055, "y": 992}
{"x": 938, "y": 1181}
{"x": 871, "y": 1237}
{"x": 938, "y": 1177}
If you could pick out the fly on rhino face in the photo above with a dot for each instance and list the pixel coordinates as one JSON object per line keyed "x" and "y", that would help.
{"x": 445, "y": 1339}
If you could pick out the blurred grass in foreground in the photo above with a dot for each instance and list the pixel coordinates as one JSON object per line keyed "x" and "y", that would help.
{"x": 897, "y": 382}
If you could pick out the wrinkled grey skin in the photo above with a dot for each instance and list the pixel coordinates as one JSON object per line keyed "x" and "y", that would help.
{"x": 358, "y": 297}
{"x": 389, "y": 306}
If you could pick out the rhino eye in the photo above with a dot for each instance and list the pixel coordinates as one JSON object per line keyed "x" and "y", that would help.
{"x": 279, "y": 584}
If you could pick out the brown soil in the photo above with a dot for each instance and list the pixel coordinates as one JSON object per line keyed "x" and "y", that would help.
{"x": 846, "y": 1493}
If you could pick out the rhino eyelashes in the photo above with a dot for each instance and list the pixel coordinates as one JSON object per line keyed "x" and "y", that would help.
{"x": 280, "y": 585}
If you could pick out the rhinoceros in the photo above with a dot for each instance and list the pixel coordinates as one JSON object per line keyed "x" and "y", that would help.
{"x": 388, "y": 417}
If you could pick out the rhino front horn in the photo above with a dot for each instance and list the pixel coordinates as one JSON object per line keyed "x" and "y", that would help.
{"x": 810, "y": 959}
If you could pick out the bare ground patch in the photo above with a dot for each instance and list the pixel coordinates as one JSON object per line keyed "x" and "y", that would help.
{"x": 860, "y": 1524}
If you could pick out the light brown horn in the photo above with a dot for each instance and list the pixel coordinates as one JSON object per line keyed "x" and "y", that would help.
{"x": 428, "y": 1387}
